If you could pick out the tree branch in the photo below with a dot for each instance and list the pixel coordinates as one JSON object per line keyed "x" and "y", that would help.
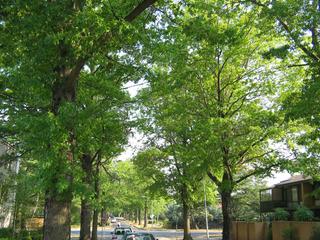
{"x": 139, "y": 9}
{"x": 287, "y": 29}
{"x": 214, "y": 178}
{"x": 257, "y": 171}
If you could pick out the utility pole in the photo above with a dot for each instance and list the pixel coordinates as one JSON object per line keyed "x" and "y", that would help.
{"x": 205, "y": 209}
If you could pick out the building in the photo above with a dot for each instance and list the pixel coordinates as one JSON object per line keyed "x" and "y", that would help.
{"x": 296, "y": 191}
{"x": 7, "y": 193}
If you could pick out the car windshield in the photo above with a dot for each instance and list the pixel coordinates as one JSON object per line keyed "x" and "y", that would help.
{"x": 122, "y": 231}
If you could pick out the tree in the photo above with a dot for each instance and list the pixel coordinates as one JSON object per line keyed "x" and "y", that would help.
{"x": 245, "y": 204}
{"x": 44, "y": 59}
{"x": 298, "y": 22}
{"x": 102, "y": 131}
{"x": 168, "y": 163}
{"x": 214, "y": 65}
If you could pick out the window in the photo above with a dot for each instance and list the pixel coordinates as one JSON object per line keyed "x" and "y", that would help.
{"x": 294, "y": 194}
{"x": 266, "y": 195}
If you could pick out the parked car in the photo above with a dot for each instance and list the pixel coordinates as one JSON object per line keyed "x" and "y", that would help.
{"x": 118, "y": 232}
{"x": 138, "y": 236}
{"x": 113, "y": 220}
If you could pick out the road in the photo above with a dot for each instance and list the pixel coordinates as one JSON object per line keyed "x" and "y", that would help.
{"x": 163, "y": 234}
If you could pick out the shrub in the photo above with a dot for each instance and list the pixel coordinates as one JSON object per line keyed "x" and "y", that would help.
{"x": 269, "y": 232}
{"x": 30, "y": 235}
{"x": 280, "y": 214}
{"x": 315, "y": 233}
{"x": 5, "y": 232}
{"x": 290, "y": 233}
{"x": 303, "y": 214}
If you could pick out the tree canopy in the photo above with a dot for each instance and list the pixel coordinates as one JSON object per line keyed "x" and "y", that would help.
{"x": 229, "y": 92}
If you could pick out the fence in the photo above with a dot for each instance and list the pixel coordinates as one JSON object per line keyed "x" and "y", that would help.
{"x": 249, "y": 230}
{"x": 303, "y": 230}
{"x": 259, "y": 230}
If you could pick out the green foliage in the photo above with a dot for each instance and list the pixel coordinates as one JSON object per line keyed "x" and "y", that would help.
{"x": 227, "y": 84}
{"x": 246, "y": 201}
{"x": 174, "y": 216}
{"x": 30, "y": 235}
{"x": 75, "y": 211}
{"x": 125, "y": 188}
{"x": 298, "y": 21}
{"x": 54, "y": 132}
{"x": 315, "y": 233}
{"x": 6, "y": 232}
{"x": 279, "y": 52}
{"x": 303, "y": 213}
{"x": 280, "y": 214}
{"x": 290, "y": 233}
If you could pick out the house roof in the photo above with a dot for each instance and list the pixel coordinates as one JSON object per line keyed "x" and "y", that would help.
{"x": 294, "y": 179}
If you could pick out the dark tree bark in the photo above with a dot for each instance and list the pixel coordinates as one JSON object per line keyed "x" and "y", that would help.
{"x": 96, "y": 211}
{"x": 139, "y": 216}
{"x": 226, "y": 212}
{"x": 145, "y": 214}
{"x": 186, "y": 222}
{"x": 85, "y": 220}
{"x": 85, "y": 201}
{"x": 185, "y": 214}
{"x": 95, "y": 224}
{"x": 57, "y": 219}
{"x": 136, "y": 220}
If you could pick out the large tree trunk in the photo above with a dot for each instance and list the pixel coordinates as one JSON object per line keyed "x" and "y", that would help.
{"x": 85, "y": 220}
{"x": 186, "y": 221}
{"x": 136, "y": 220}
{"x": 226, "y": 212}
{"x": 185, "y": 213}
{"x": 85, "y": 201}
{"x": 57, "y": 218}
{"x": 139, "y": 216}
{"x": 96, "y": 210}
{"x": 57, "y": 207}
{"x": 145, "y": 214}
{"x": 95, "y": 224}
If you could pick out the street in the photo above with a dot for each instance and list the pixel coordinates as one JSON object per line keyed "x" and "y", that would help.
{"x": 161, "y": 234}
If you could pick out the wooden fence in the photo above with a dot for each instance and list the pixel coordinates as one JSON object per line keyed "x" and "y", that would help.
{"x": 259, "y": 230}
{"x": 249, "y": 230}
{"x": 303, "y": 230}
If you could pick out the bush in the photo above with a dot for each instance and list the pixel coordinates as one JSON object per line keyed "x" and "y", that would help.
{"x": 5, "y": 232}
{"x": 280, "y": 214}
{"x": 30, "y": 235}
{"x": 303, "y": 214}
{"x": 290, "y": 234}
{"x": 315, "y": 233}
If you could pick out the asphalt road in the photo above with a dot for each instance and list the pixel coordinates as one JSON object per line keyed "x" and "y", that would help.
{"x": 163, "y": 234}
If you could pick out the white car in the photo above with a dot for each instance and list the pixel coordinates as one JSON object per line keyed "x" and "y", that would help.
{"x": 113, "y": 220}
{"x": 118, "y": 232}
